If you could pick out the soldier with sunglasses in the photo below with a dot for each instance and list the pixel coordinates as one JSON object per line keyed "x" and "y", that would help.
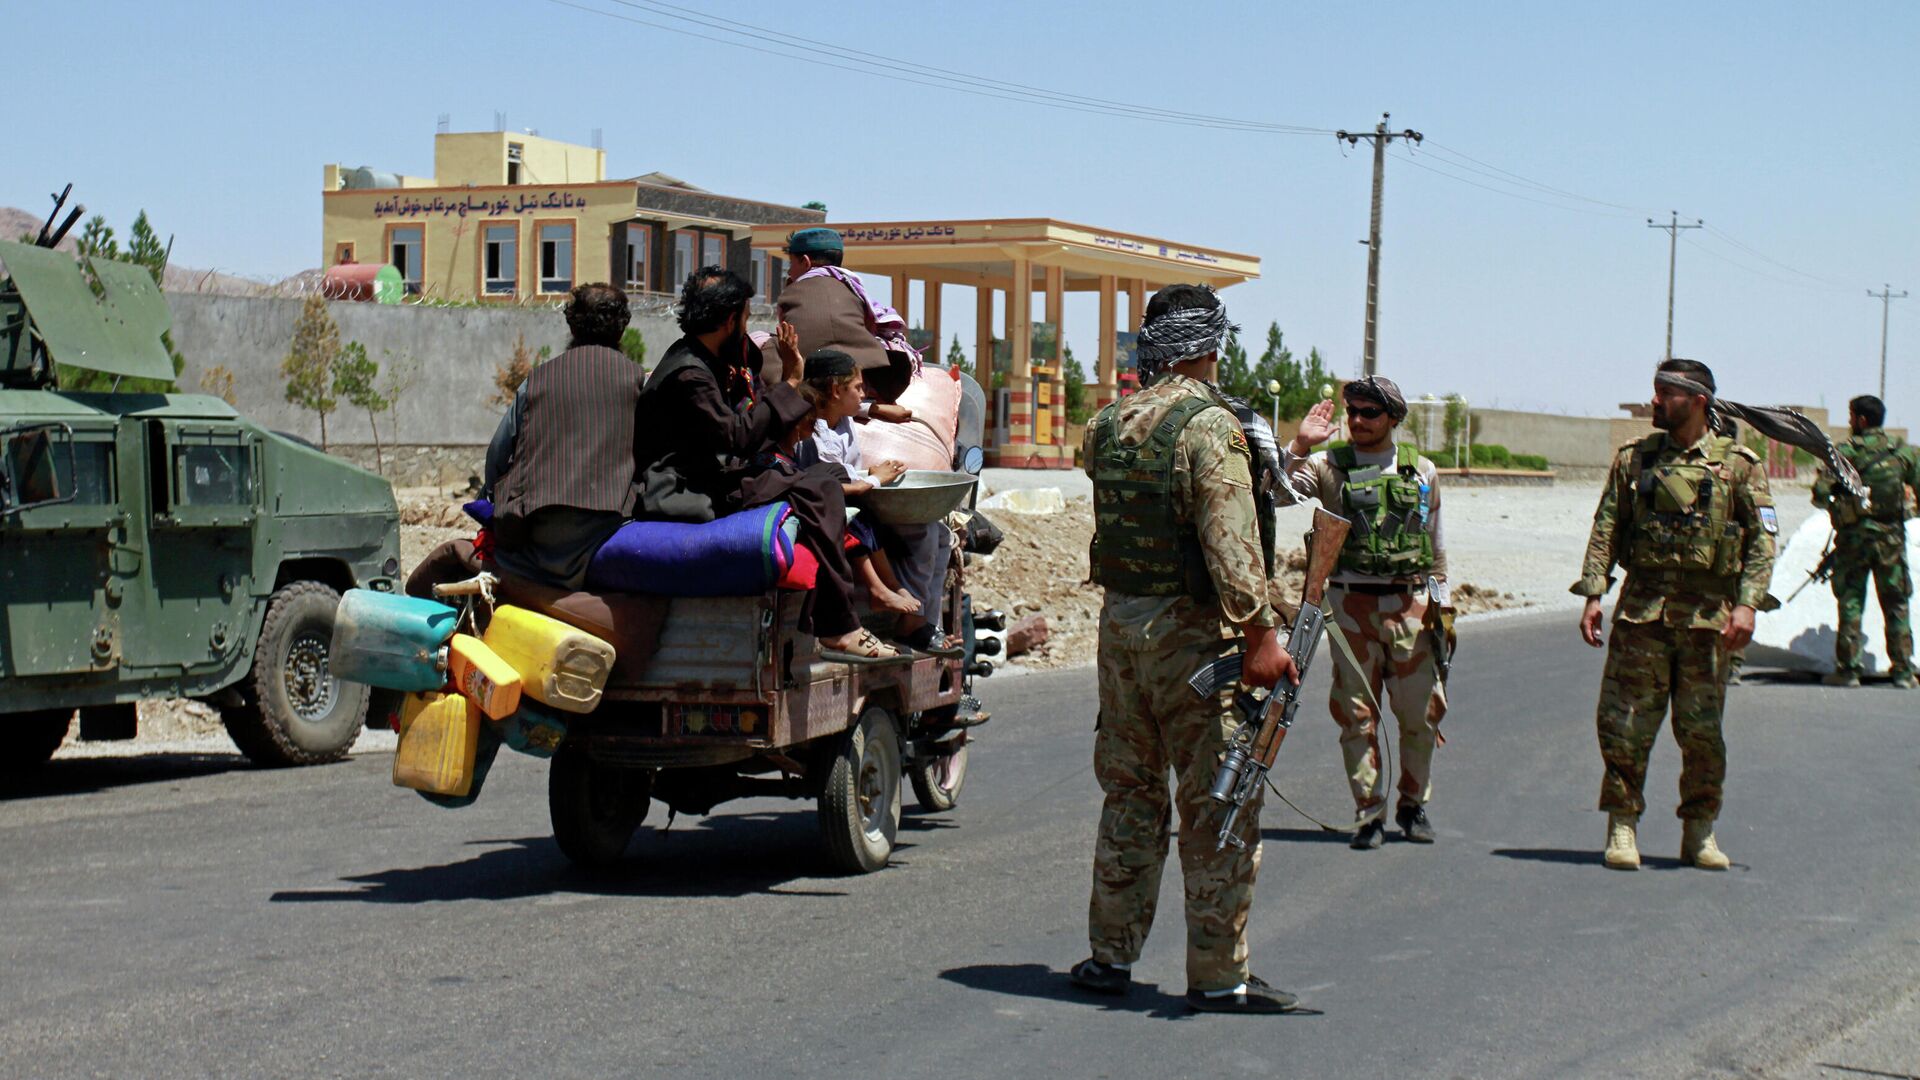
{"x": 1389, "y": 598}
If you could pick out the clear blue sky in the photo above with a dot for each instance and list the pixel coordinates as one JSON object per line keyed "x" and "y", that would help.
{"x": 1788, "y": 127}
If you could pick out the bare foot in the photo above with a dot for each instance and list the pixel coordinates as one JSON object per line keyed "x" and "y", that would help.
{"x": 899, "y": 603}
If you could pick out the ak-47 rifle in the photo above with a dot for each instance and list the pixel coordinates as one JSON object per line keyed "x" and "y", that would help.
{"x": 1255, "y": 744}
{"x": 1822, "y": 571}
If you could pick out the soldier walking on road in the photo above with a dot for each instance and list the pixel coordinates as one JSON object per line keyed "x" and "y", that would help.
{"x": 1687, "y": 513}
{"x": 1390, "y": 598}
{"x": 1177, "y": 548}
{"x": 1870, "y": 540}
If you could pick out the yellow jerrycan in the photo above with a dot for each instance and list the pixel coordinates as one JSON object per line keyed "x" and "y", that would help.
{"x": 486, "y": 678}
{"x": 562, "y": 667}
{"x": 439, "y": 737}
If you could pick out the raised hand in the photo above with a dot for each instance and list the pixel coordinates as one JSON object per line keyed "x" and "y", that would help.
{"x": 1315, "y": 428}
{"x": 787, "y": 342}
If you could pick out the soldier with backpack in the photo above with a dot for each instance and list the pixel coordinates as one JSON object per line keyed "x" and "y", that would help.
{"x": 1870, "y": 540}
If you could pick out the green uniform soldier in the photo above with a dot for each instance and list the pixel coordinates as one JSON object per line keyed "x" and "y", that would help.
{"x": 1177, "y": 548}
{"x": 1389, "y": 597}
{"x": 1870, "y": 541}
{"x": 1688, "y": 515}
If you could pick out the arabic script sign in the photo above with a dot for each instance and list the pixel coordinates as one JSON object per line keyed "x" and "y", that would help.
{"x": 409, "y": 207}
{"x": 896, "y": 233}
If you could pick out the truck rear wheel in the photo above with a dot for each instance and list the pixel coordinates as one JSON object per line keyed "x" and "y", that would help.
{"x": 30, "y": 738}
{"x": 937, "y": 780}
{"x": 860, "y": 800}
{"x": 595, "y": 808}
{"x": 296, "y": 712}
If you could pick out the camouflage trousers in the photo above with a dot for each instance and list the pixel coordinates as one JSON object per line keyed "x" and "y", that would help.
{"x": 1152, "y": 722}
{"x": 1883, "y": 557}
{"x": 1652, "y": 667}
{"x": 1389, "y": 637}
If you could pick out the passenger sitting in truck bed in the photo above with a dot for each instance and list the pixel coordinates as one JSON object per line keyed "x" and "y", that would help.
{"x": 561, "y": 469}
{"x": 703, "y": 420}
{"x": 912, "y": 558}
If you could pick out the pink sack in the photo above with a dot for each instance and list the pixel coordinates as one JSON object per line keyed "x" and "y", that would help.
{"x": 926, "y": 441}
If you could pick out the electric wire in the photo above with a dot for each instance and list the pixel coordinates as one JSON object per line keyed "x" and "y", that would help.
{"x": 1777, "y": 279}
{"x": 1469, "y": 163}
{"x": 1409, "y": 158}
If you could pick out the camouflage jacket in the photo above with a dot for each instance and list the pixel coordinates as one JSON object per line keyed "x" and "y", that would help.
{"x": 1212, "y": 492}
{"x": 1870, "y": 442}
{"x": 1692, "y": 601}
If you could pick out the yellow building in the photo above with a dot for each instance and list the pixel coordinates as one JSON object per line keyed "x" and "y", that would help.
{"x": 514, "y": 217}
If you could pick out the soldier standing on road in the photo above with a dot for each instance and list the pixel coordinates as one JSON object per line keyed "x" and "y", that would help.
{"x": 1177, "y": 547}
{"x": 1389, "y": 597}
{"x": 1870, "y": 540}
{"x": 1687, "y": 512}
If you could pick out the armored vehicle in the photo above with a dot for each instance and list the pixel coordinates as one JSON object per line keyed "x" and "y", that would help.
{"x": 159, "y": 545}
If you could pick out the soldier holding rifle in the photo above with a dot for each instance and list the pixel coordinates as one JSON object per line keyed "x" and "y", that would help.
{"x": 1177, "y": 548}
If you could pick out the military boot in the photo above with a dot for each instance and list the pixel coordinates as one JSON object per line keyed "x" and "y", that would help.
{"x": 1841, "y": 678}
{"x": 1623, "y": 850}
{"x": 1904, "y": 680}
{"x": 1697, "y": 847}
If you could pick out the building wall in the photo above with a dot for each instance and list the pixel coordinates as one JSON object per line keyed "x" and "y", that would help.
{"x": 480, "y": 158}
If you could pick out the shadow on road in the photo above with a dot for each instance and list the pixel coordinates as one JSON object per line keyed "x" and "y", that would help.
{"x": 1582, "y": 857}
{"x": 734, "y": 855}
{"x": 1040, "y": 981}
{"x": 84, "y": 776}
{"x": 1310, "y": 836}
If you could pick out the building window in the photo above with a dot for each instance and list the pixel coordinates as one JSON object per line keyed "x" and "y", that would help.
{"x": 515, "y": 155}
{"x": 639, "y": 257}
{"x": 713, "y": 250}
{"x": 682, "y": 258}
{"x": 762, "y": 276}
{"x": 556, "y": 258}
{"x": 501, "y": 272}
{"x": 405, "y": 245}
{"x": 343, "y": 254}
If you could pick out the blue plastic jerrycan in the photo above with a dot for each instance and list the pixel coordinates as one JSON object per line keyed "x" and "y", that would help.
{"x": 393, "y": 642}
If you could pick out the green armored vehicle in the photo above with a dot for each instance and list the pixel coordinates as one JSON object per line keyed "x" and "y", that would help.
{"x": 157, "y": 545}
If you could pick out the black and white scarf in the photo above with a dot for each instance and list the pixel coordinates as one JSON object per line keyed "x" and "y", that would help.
{"x": 1776, "y": 422}
{"x": 1181, "y": 335}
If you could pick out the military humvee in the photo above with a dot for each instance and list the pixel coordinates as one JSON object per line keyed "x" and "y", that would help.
{"x": 163, "y": 544}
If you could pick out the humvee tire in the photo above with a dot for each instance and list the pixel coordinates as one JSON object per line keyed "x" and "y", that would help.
{"x": 295, "y": 712}
{"x": 28, "y": 739}
{"x": 595, "y": 808}
{"x": 859, "y": 806}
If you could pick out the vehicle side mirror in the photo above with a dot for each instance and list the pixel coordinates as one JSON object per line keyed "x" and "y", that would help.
{"x": 972, "y": 460}
{"x": 30, "y": 473}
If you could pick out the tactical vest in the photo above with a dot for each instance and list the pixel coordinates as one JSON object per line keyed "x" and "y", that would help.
{"x": 1140, "y": 547}
{"x": 1882, "y": 470}
{"x": 1389, "y": 511}
{"x": 1681, "y": 517}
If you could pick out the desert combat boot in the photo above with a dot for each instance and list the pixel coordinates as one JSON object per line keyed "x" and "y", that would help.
{"x": 1697, "y": 847}
{"x": 1623, "y": 851}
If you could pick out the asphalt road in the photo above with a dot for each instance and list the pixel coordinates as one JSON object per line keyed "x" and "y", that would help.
{"x": 190, "y": 916}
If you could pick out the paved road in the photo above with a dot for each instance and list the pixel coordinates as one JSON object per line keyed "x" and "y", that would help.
{"x": 182, "y": 916}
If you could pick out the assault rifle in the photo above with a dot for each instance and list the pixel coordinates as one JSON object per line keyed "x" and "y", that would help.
{"x": 1823, "y": 571}
{"x": 1256, "y": 742}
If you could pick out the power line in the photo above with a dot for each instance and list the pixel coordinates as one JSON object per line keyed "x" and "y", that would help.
{"x": 1672, "y": 230}
{"x": 1756, "y": 272}
{"x": 1886, "y": 296}
{"x": 1467, "y": 162}
{"x": 1380, "y": 137}
{"x": 1763, "y": 256}
{"x": 1431, "y": 167}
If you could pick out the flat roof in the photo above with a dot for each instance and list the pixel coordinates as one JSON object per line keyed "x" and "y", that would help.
{"x": 982, "y": 252}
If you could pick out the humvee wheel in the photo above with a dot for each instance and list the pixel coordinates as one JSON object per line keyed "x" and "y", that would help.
{"x": 296, "y": 712}
{"x": 937, "y": 780}
{"x": 28, "y": 739}
{"x": 595, "y": 808}
{"x": 860, "y": 800}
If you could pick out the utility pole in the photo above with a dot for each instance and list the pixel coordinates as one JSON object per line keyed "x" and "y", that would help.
{"x": 1886, "y": 296}
{"x": 1380, "y": 137}
{"x": 1672, "y": 230}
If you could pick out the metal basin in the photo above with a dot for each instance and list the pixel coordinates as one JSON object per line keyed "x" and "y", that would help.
{"x": 920, "y": 497}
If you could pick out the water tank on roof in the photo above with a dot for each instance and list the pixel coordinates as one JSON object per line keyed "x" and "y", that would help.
{"x": 366, "y": 179}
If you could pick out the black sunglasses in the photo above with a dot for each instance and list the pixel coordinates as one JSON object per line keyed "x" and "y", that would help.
{"x": 1367, "y": 412}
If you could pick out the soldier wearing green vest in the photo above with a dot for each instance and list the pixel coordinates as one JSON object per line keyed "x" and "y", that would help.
{"x": 1389, "y": 598}
{"x": 1177, "y": 547}
{"x": 1870, "y": 541}
{"x": 1686, "y": 512}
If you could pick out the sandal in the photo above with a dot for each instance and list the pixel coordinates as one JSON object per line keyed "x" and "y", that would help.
{"x": 927, "y": 639}
{"x": 866, "y": 649}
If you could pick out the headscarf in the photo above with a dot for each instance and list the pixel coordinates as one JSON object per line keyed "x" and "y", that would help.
{"x": 1181, "y": 335}
{"x": 1383, "y": 392}
{"x": 1776, "y": 422}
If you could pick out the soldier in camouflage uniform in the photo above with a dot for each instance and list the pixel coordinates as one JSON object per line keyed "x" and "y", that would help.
{"x": 1177, "y": 548}
{"x": 1870, "y": 540}
{"x": 1389, "y": 597}
{"x": 1687, "y": 513}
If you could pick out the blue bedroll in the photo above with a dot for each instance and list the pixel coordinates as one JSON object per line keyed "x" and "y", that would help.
{"x": 533, "y": 730}
{"x": 738, "y": 555}
{"x": 393, "y": 642}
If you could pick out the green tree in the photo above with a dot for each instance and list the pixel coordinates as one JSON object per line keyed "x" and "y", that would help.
{"x": 634, "y": 346}
{"x": 356, "y": 377}
{"x": 402, "y": 374}
{"x": 814, "y": 204}
{"x": 957, "y": 357}
{"x": 308, "y": 366}
{"x": 96, "y": 239}
{"x": 145, "y": 250}
{"x": 1314, "y": 381}
{"x": 1074, "y": 378}
{"x": 1236, "y": 374}
{"x": 1276, "y": 365}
